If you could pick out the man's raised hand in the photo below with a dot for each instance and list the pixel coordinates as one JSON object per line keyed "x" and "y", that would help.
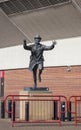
{"x": 54, "y": 42}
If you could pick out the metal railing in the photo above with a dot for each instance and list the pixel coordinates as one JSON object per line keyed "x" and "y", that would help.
{"x": 36, "y": 108}
{"x": 76, "y": 108}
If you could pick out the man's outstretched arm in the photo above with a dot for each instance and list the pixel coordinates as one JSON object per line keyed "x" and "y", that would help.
{"x": 25, "y": 45}
{"x": 50, "y": 47}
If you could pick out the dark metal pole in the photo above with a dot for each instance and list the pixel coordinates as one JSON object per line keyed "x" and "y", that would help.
{"x": 9, "y": 108}
{"x": 2, "y": 110}
{"x": 69, "y": 113}
{"x": 63, "y": 111}
{"x": 26, "y": 111}
{"x": 55, "y": 107}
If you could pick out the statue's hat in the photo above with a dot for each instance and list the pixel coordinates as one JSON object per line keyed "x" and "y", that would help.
{"x": 37, "y": 37}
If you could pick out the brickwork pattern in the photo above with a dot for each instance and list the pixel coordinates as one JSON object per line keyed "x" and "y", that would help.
{"x": 57, "y": 79}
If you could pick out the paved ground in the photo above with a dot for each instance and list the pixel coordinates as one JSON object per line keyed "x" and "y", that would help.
{"x": 5, "y": 124}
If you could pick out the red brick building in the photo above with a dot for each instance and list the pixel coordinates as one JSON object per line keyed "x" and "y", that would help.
{"x": 58, "y": 21}
{"x": 59, "y": 80}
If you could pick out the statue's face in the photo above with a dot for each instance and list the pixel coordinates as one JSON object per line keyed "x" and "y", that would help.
{"x": 37, "y": 40}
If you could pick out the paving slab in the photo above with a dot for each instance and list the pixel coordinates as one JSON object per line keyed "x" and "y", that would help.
{"x": 5, "y": 124}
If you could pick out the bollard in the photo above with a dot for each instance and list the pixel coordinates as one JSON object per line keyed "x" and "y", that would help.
{"x": 69, "y": 113}
{"x": 2, "y": 110}
{"x": 55, "y": 111}
{"x": 13, "y": 116}
{"x": 63, "y": 111}
{"x": 9, "y": 108}
{"x": 14, "y": 106}
{"x": 26, "y": 111}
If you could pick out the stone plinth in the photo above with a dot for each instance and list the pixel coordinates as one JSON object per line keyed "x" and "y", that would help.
{"x": 37, "y": 110}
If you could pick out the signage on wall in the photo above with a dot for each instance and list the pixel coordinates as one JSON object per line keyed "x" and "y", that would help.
{"x": 2, "y": 83}
{"x": 2, "y": 74}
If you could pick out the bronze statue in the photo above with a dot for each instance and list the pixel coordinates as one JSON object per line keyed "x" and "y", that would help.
{"x": 36, "y": 58}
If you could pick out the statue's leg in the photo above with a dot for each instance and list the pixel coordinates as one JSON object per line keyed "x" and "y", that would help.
{"x": 35, "y": 76}
{"x": 40, "y": 71}
{"x": 39, "y": 75}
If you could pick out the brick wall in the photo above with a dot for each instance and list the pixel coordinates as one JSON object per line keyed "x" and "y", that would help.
{"x": 58, "y": 79}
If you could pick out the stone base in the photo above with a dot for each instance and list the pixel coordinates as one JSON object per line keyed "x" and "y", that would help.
{"x": 38, "y": 110}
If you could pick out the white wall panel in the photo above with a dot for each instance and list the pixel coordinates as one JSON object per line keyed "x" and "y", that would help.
{"x": 66, "y": 52}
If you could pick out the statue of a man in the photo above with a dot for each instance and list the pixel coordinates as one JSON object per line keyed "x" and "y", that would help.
{"x": 36, "y": 58}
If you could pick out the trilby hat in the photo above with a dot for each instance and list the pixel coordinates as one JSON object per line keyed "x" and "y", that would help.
{"x": 37, "y": 37}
